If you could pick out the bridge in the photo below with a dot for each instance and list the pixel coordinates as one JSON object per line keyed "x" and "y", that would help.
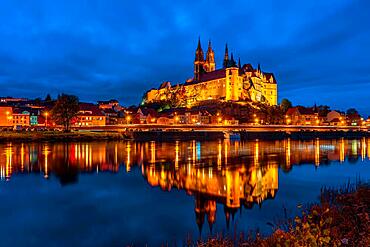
{"x": 220, "y": 128}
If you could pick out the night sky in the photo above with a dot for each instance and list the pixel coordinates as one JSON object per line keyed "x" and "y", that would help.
{"x": 318, "y": 50}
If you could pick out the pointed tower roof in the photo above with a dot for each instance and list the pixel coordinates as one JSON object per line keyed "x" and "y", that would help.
{"x": 239, "y": 64}
{"x": 209, "y": 45}
{"x": 199, "y": 44}
{"x": 199, "y": 55}
{"x": 232, "y": 62}
{"x": 226, "y": 57}
{"x": 209, "y": 52}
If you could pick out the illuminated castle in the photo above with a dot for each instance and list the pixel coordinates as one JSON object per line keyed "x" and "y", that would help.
{"x": 232, "y": 82}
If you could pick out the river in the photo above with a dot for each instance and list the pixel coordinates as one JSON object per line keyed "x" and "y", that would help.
{"x": 119, "y": 193}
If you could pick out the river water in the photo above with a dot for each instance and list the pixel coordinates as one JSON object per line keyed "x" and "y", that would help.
{"x": 119, "y": 193}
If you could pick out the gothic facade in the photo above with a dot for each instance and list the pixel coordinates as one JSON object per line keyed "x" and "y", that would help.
{"x": 232, "y": 82}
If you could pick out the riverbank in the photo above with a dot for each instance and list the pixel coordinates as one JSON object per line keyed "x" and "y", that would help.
{"x": 340, "y": 219}
{"x": 175, "y": 135}
{"x": 204, "y": 135}
{"x": 58, "y": 136}
{"x": 303, "y": 134}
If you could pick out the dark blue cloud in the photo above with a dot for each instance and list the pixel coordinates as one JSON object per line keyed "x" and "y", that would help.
{"x": 118, "y": 49}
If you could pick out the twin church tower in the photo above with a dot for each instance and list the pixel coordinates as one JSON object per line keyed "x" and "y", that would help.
{"x": 209, "y": 65}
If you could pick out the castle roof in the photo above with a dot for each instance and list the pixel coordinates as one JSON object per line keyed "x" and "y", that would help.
{"x": 165, "y": 85}
{"x": 270, "y": 75}
{"x": 247, "y": 68}
{"x": 301, "y": 110}
{"x": 208, "y": 76}
{"x": 89, "y": 109}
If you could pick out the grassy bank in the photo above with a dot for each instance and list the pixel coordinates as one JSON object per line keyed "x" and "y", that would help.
{"x": 30, "y": 136}
{"x": 340, "y": 219}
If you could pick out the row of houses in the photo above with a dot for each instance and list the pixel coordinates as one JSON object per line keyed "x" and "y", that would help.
{"x": 309, "y": 116}
{"x": 22, "y": 113}
{"x": 27, "y": 113}
{"x": 176, "y": 116}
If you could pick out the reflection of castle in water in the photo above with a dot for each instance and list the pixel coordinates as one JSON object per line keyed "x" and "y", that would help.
{"x": 230, "y": 181}
{"x": 235, "y": 174}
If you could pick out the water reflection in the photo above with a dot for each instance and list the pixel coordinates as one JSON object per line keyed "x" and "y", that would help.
{"x": 232, "y": 174}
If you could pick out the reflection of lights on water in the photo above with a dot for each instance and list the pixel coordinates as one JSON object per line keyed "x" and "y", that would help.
{"x": 177, "y": 155}
{"x": 210, "y": 172}
{"x": 226, "y": 151}
{"x": 115, "y": 153}
{"x": 128, "y": 162}
{"x": 45, "y": 152}
{"x": 9, "y": 161}
{"x": 194, "y": 151}
{"x": 236, "y": 145}
{"x": 342, "y": 151}
{"x": 363, "y": 148}
{"x": 219, "y": 156}
{"x": 152, "y": 152}
{"x": 256, "y": 153}
{"x": 354, "y": 147}
{"x": 22, "y": 157}
{"x": 317, "y": 152}
{"x": 287, "y": 153}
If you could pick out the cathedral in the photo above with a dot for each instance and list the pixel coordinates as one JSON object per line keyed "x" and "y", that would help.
{"x": 232, "y": 82}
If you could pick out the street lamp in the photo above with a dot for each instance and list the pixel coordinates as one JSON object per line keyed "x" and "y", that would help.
{"x": 7, "y": 116}
{"x": 46, "y": 119}
{"x": 128, "y": 118}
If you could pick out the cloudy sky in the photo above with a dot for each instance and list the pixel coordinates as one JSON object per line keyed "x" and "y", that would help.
{"x": 318, "y": 50}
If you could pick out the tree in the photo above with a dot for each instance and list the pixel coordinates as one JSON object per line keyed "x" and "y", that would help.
{"x": 352, "y": 111}
{"x": 65, "y": 109}
{"x": 37, "y": 101}
{"x": 285, "y": 105}
{"x": 323, "y": 110}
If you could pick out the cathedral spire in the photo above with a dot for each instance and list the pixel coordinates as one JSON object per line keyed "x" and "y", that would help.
{"x": 210, "y": 64}
{"x": 239, "y": 64}
{"x": 199, "y": 55}
{"x": 232, "y": 62}
{"x": 198, "y": 61}
{"x": 226, "y": 57}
